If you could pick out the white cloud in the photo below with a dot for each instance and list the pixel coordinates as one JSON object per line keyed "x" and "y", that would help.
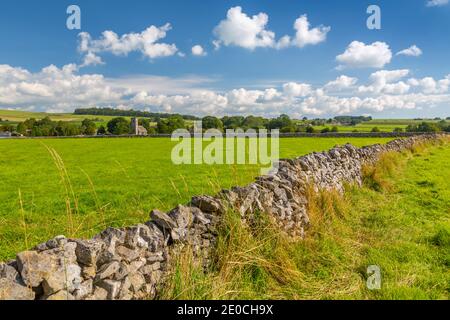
{"x": 293, "y": 89}
{"x": 306, "y": 36}
{"x": 437, "y": 3}
{"x": 91, "y": 59}
{"x": 384, "y": 81}
{"x": 146, "y": 42}
{"x": 63, "y": 89}
{"x": 431, "y": 86}
{"x": 198, "y": 50}
{"x": 341, "y": 83}
{"x": 360, "y": 55}
{"x": 53, "y": 88}
{"x": 241, "y": 30}
{"x": 413, "y": 51}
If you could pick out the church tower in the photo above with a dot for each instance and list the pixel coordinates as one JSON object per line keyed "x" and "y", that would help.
{"x": 134, "y": 126}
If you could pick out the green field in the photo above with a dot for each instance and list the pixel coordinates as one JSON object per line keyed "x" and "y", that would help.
{"x": 385, "y": 125}
{"x": 19, "y": 116}
{"x": 110, "y": 182}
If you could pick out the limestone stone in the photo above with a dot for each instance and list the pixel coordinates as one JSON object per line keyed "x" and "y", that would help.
{"x": 35, "y": 267}
{"x": 162, "y": 220}
{"x": 112, "y": 288}
{"x": 87, "y": 251}
{"x": 107, "y": 270}
{"x": 207, "y": 204}
{"x": 12, "y": 290}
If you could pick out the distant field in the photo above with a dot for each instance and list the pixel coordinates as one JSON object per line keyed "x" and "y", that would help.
{"x": 110, "y": 182}
{"x": 385, "y": 125}
{"x": 365, "y": 127}
{"x": 19, "y": 116}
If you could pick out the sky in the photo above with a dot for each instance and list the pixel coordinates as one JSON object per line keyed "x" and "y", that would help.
{"x": 314, "y": 58}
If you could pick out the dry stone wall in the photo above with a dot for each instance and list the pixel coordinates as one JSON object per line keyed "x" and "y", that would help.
{"x": 131, "y": 263}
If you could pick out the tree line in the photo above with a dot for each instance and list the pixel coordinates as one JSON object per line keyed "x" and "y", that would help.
{"x": 153, "y": 116}
{"x": 122, "y": 126}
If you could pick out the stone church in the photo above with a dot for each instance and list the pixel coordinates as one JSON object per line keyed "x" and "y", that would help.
{"x": 136, "y": 129}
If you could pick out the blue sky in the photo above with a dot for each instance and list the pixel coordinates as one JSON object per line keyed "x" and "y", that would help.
{"x": 236, "y": 78}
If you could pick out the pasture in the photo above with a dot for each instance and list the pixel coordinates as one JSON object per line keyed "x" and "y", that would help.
{"x": 78, "y": 187}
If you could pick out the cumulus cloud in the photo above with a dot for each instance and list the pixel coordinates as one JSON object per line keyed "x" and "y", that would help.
{"x": 341, "y": 83}
{"x": 293, "y": 89}
{"x": 437, "y": 3}
{"x": 198, "y": 50}
{"x": 241, "y": 30}
{"x": 91, "y": 59}
{"x": 431, "y": 86}
{"x": 413, "y": 51}
{"x": 145, "y": 42}
{"x": 387, "y": 81}
{"x": 307, "y": 36}
{"x": 53, "y": 88}
{"x": 62, "y": 89}
{"x": 360, "y": 55}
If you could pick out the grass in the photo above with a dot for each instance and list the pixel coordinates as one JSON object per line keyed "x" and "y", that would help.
{"x": 384, "y": 125}
{"x": 399, "y": 221}
{"x": 77, "y": 187}
{"x": 19, "y": 116}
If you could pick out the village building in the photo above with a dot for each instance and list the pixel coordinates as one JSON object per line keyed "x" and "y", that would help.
{"x": 136, "y": 129}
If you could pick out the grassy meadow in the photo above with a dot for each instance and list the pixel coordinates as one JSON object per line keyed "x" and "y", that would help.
{"x": 399, "y": 221}
{"x": 78, "y": 187}
{"x": 19, "y": 116}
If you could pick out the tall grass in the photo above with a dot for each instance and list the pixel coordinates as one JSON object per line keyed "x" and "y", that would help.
{"x": 70, "y": 197}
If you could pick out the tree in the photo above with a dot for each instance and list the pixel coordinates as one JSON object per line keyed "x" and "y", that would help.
{"x": 22, "y": 128}
{"x": 335, "y": 129}
{"x": 325, "y": 130}
{"x": 397, "y": 130}
{"x": 67, "y": 129}
{"x": 101, "y": 130}
{"x": 119, "y": 126}
{"x": 146, "y": 123}
{"x": 6, "y": 128}
{"x": 310, "y": 129}
{"x": 233, "y": 122}
{"x": 282, "y": 121}
{"x": 443, "y": 125}
{"x": 88, "y": 127}
{"x": 162, "y": 126}
{"x": 210, "y": 122}
{"x": 289, "y": 129}
{"x": 167, "y": 126}
{"x": 423, "y": 127}
{"x": 375, "y": 130}
{"x": 176, "y": 122}
{"x": 252, "y": 122}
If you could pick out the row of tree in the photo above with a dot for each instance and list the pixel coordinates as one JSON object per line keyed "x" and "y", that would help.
{"x": 46, "y": 127}
{"x": 429, "y": 127}
{"x": 121, "y": 126}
